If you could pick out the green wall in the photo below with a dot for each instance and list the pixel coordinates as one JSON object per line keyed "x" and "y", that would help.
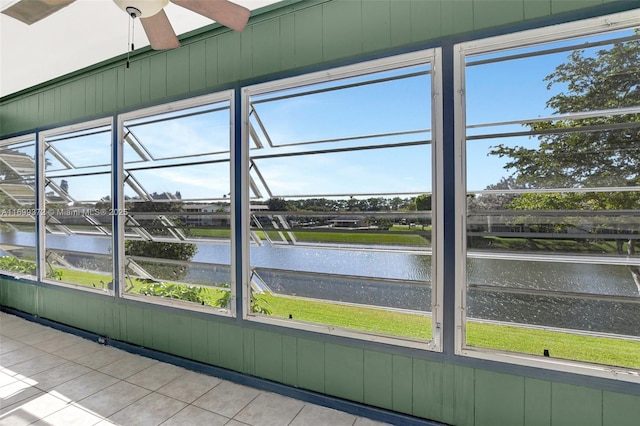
{"x": 431, "y": 389}
{"x": 290, "y": 38}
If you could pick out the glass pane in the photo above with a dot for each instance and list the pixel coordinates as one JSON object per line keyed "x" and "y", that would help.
{"x": 553, "y": 201}
{"x": 341, "y": 204}
{"x": 78, "y": 214}
{"x": 17, "y": 207}
{"x": 177, "y": 196}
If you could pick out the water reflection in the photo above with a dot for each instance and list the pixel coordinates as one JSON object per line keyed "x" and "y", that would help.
{"x": 304, "y": 272}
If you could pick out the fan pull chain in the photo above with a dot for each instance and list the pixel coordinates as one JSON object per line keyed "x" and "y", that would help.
{"x": 130, "y": 38}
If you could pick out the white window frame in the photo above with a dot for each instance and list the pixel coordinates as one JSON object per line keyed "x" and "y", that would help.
{"x": 587, "y": 27}
{"x": 224, "y": 96}
{"x": 431, "y": 57}
{"x": 21, "y": 139}
{"x": 41, "y": 239}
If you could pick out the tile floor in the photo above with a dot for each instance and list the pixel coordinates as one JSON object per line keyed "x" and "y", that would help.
{"x": 48, "y": 377}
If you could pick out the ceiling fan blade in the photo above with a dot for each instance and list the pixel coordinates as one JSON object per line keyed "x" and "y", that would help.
{"x": 160, "y": 32}
{"x": 32, "y": 11}
{"x": 224, "y": 12}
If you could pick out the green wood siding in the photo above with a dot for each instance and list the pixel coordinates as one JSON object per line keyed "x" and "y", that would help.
{"x": 302, "y": 35}
{"x": 440, "y": 391}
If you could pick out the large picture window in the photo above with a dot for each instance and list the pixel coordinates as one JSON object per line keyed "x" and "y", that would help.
{"x": 342, "y": 200}
{"x": 18, "y": 206}
{"x": 76, "y": 219}
{"x": 176, "y": 197}
{"x": 551, "y": 192}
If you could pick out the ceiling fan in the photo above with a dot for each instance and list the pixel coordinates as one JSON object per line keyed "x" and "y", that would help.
{"x": 151, "y": 13}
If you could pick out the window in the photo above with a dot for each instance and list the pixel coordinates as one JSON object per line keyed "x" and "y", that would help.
{"x": 342, "y": 200}
{"x": 550, "y": 179}
{"x": 76, "y": 222}
{"x": 176, "y": 196}
{"x": 18, "y": 206}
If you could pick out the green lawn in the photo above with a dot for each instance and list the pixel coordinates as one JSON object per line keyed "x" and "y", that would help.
{"x": 600, "y": 350}
{"x": 347, "y": 237}
{"x": 353, "y": 317}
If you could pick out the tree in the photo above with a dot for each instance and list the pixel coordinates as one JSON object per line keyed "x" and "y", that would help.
{"x": 605, "y": 154}
{"x": 278, "y": 204}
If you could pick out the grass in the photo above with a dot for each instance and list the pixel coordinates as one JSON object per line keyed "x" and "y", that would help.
{"x": 569, "y": 346}
{"x": 350, "y": 237}
{"x": 360, "y": 238}
{"x": 599, "y": 350}
{"x": 562, "y": 345}
{"x": 353, "y": 317}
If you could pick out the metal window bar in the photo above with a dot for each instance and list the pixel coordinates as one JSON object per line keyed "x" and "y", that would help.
{"x": 254, "y": 113}
{"x": 555, "y": 293}
{"x": 345, "y": 149}
{"x": 133, "y": 183}
{"x": 66, "y": 163}
{"x": 20, "y": 164}
{"x": 572, "y": 129}
{"x": 175, "y": 115}
{"x": 342, "y": 86}
{"x": 21, "y": 194}
{"x": 542, "y": 52}
{"x": 136, "y": 145}
{"x": 614, "y": 112}
{"x": 62, "y": 194}
{"x": 557, "y": 258}
{"x": 254, "y": 167}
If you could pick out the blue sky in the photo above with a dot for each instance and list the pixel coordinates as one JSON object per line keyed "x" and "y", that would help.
{"x": 502, "y": 91}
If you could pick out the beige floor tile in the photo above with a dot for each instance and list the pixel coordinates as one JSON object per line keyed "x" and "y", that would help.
{"x": 59, "y": 343}
{"x": 6, "y": 379}
{"x": 16, "y": 392}
{"x": 27, "y": 412}
{"x": 37, "y": 365}
{"x": 82, "y": 348}
{"x": 227, "y": 398}
{"x": 69, "y": 416}
{"x": 314, "y": 415}
{"x": 85, "y": 386}
{"x": 269, "y": 409}
{"x": 19, "y": 355}
{"x": 236, "y": 423}
{"x": 40, "y": 336}
{"x": 18, "y": 330}
{"x": 107, "y": 422}
{"x": 153, "y": 409}
{"x": 127, "y": 366}
{"x": 156, "y": 376}
{"x": 79, "y": 394}
{"x": 194, "y": 416}
{"x": 8, "y": 345}
{"x": 101, "y": 358}
{"x": 112, "y": 399}
{"x": 55, "y": 376}
{"x": 189, "y": 387}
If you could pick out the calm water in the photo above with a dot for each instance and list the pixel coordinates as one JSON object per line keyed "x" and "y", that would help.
{"x": 411, "y": 276}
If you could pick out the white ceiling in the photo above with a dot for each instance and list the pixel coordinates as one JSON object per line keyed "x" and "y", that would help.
{"x": 82, "y": 34}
